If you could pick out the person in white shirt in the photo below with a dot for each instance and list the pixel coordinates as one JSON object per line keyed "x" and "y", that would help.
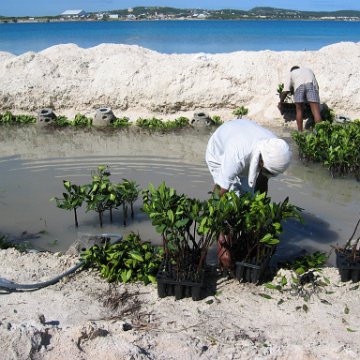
{"x": 303, "y": 84}
{"x": 241, "y": 156}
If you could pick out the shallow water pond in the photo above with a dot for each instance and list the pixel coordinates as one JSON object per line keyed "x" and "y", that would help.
{"x": 34, "y": 161}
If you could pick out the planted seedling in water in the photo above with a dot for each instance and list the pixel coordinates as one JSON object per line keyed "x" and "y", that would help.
{"x": 102, "y": 194}
{"x": 126, "y": 194}
{"x": 72, "y": 199}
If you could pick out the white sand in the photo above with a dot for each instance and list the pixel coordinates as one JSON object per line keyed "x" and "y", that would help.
{"x": 135, "y": 81}
{"x": 237, "y": 323}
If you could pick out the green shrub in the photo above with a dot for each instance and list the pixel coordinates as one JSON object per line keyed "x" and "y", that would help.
{"x": 62, "y": 121}
{"x": 240, "y": 111}
{"x": 10, "y": 119}
{"x": 217, "y": 120}
{"x": 120, "y": 122}
{"x": 127, "y": 261}
{"x": 337, "y": 146}
{"x": 81, "y": 121}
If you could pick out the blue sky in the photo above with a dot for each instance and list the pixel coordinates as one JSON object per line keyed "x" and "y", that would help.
{"x": 55, "y": 7}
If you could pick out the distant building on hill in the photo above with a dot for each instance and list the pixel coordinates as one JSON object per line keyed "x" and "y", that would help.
{"x": 74, "y": 13}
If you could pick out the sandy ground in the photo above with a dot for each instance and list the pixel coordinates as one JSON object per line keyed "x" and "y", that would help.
{"x": 84, "y": 317}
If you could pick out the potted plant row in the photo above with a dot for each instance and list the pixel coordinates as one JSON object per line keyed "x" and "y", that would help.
{"x": 189, "y": 227}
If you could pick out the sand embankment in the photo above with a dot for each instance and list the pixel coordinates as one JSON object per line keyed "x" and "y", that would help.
{"x": 135, "y": 80}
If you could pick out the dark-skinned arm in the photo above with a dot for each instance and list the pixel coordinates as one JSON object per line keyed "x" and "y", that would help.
{"x": 261, "y": 183}
{"x": 283, "y": 96}
{"x": 220, "y": 190}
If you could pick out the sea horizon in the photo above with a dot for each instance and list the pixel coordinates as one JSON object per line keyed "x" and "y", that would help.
{"x": 181, "y": 36}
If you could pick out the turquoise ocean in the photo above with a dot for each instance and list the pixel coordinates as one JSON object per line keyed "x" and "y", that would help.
{"x": 181, "y": 36}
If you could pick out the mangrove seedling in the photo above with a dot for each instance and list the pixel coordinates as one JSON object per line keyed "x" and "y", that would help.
{"x": 72, "y": 199}
{"x": 240, "y": 111}
{"x": 120, "y": 122}
{"x": 102, "y": 194}
{"x": 82, "y": 121}
{"x": 126, "y": 194}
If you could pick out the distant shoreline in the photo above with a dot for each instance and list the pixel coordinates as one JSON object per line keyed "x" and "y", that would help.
{"x": 42, "y": 21}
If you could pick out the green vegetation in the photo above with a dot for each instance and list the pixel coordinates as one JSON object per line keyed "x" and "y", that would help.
{"x": 305, "y": 263}
{"x": 81, "y": 121}
{"x": 129, "y": 260}
{"x": 6, "y": 244}
{"x": 304, "y": 277}
{"x": 158, "y": 124}
{"x": 253, "y": 223}
{"x": 337, "y": 146}
{"x": 72, "y": 199}
{"x": 100, "y": 195}
{"x": 120, "y": 122}
{"x": 240, "y": 111}
{"x": 9, "y": 119}
{"x": 217, "y": 120}
{"x": 188, "y": 226}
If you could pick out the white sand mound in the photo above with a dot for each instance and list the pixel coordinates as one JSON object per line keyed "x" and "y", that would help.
{"x": 129, "y": 78}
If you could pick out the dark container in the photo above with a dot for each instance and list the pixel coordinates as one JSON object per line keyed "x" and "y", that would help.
{"x": 250, "y": 272}
{"x": 348, "y": 268}
{"x": 168, "y": 285}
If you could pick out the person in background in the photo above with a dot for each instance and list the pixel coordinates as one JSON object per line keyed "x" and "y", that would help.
{"x": 242, "y": 156}
{"x": 303, "y": 84}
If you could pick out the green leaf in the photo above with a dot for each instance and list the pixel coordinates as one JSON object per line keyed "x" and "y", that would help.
{"x": 270, "y": 286}
{"x": 325, "y": 302}
{"x": 152, "y": 279}
{"x": 346, "y": 310}
{"x": 137, "y": 256}
{"x": 265, "y": 296}
{"x": 351, "y": 330}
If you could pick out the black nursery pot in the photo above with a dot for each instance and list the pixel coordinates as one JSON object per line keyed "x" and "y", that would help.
{"x": 251, "y": 272}
{"x": 168, "y": 285}
{"x": 348, "y": 269}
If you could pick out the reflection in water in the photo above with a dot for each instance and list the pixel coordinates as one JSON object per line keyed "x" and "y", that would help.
{"x": 34, "y": 162}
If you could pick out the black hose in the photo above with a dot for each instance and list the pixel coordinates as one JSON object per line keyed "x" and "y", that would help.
{"x": 9, "y": 285}
{"x": 6, "y": 284}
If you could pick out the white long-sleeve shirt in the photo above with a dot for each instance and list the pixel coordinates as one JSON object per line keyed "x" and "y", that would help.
{"x": 230, "y": 148}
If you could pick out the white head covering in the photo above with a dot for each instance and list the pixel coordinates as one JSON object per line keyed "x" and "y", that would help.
{"x": 276, "y": 156}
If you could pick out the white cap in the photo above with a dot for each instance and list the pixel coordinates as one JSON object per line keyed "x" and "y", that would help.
{"x": 276, "y": 156}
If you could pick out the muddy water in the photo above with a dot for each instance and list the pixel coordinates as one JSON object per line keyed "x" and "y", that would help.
{"x": 34, "y": 161}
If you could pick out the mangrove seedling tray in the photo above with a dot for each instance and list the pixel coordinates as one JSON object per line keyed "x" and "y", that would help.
{"x": 348, "y": 269}
{"x": 169, "y": 286}
{"x": 249, "y": 272}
